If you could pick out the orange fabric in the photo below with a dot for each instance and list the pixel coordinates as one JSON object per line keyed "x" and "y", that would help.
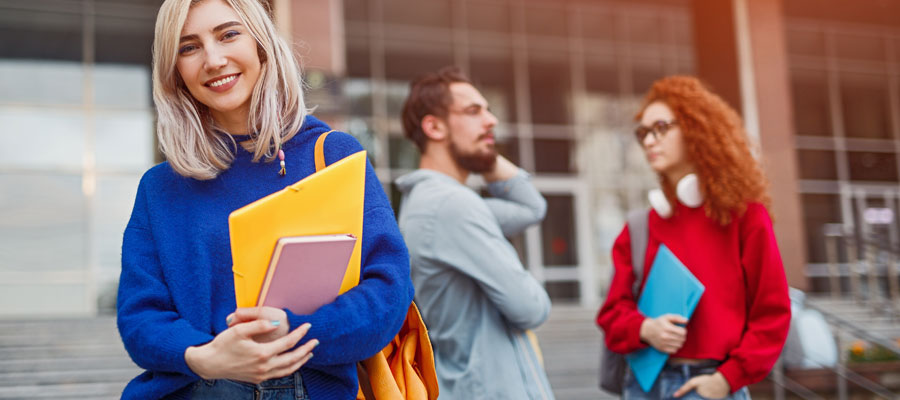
{"x": 404, "y": 369}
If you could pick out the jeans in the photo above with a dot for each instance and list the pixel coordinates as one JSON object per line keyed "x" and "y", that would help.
{"x": 290, "y": 387}
{"x": 670, "y": 379}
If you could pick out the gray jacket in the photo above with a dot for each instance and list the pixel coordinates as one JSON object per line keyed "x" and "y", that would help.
{"x": 475, "y": 296}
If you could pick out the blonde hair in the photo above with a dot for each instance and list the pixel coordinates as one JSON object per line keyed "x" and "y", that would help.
{"x": 187, "y": 133}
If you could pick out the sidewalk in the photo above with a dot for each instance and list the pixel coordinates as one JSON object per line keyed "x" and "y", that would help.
{"x": 84, "y": 358}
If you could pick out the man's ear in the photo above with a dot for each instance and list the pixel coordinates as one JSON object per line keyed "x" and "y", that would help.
{"x": 434, "y": 128}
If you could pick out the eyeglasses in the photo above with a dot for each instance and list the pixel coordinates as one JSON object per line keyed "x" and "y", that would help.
{"x": 658, "y": 129}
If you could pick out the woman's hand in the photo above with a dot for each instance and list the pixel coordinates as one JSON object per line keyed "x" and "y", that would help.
{"x": 234, "y": 354}
{"x": 663, "y": 334}
{"x": 276, "y": 315}
{"x": 712, "y": 386}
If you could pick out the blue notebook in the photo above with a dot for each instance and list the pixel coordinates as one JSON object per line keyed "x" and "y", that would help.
{"x": 670, "y": 289}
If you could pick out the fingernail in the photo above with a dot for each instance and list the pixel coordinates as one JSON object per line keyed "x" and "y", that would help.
{"x": 228, "y": 320}
{"x": 316, "y": 344}
{"x": 306, "y": 325}
{"x": 276, "y": 322}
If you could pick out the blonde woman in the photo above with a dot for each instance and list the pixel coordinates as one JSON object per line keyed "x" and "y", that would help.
{"x": 230, "y": 105}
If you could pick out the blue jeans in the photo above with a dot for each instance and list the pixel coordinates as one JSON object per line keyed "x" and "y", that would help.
{"x": 670, "y": 379}
{"x": 290, "y": 387}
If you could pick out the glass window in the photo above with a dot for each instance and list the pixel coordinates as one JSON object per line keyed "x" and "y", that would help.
{"x": 117, "y": 85}
{"x": 644, "y": 74}
{"x": 405, "y": 63}
{"x": 812, "y": 114}
{"x": 125, "y": 40}
{"x": 43, "y": 82}
{"x": 554, "y": 156}
{"x": 359, "y": 65}
{"x": 431, "y": 13}
{"x": 41, "y": 138}
{"x": 518, "y": 243}
{"x": 601, "y": 76}
{"x": 358, "y": 93}
{"x": 869, "y": 166}
{"x": 818, "y": 210}
{"x": 817, "y": 164}
{"x": 860, "y": 47}
{"x": 124, "y": 140}
{"x": 564, "y": 291}
{"x": 114, "y": 199}
{"x": 356, "y": 10}
{"x": 550, "y": 90}
{"x": 805, "y": 42}
{"x": 397, "y": 92}
{"x": 558, "y": 231}
{"x": 865, "y": 106}
{"x": 403, "y": 153}
{"x": 494, "y": 77}
{"x": 488, "y": 16}
{"x": 509, "y": 147}
{"x": 26, "y": 34}
{"x": 363, "y": 131}
{"x": 46, "y": 212}
{"x": 596, "y": 25}
{"x": 644, "y": 29}
{"x": 683, "y": 34}
{"x": 545, "y": 21}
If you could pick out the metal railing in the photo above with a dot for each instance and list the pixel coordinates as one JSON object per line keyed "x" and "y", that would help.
{"x": 869, "y": 240}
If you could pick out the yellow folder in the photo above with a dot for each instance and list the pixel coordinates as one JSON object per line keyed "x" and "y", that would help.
{"x": 329, "y": 201}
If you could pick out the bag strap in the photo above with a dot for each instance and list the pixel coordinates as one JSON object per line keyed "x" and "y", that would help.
{"x": 320, "y": 151}
{"x": 638, "y": 233}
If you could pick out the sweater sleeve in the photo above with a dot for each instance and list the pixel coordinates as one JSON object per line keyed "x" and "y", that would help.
{"x": 153, "y": 332}
{"x": 516, "y": 204}
{"x": 619, "y": 317}
{"x": 470, "y": 241}
{"x": 769, "y": 309}
{"x": 360, "y": 322}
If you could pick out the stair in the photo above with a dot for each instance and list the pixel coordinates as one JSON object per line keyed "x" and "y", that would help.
{"x": 63, "y": 359}
{"x": 84, "y": 358}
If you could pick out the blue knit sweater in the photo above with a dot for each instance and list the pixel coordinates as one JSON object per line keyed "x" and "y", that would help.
{"x": 176, "y": 286}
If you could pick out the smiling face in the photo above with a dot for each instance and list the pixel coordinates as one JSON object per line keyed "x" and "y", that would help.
{"x": 665, "y": 150}
{"x": 219, "y": 63}
{"x": 471, "y": 129}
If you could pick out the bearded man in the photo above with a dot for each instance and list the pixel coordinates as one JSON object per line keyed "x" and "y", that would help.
{"x": 476, "y": 298}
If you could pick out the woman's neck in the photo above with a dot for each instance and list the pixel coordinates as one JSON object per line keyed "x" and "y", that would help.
{"x": 233, "y": 122}
{"x": 674, "y": 175}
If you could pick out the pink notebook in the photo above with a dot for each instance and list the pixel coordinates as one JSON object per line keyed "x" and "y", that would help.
{"x": 306, "y": 272}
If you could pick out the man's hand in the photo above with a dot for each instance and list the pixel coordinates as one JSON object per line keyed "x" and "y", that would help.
{"x": 503, "y": 170}
{"x": 663, "y": 334}
{"x": 709, "y": 386}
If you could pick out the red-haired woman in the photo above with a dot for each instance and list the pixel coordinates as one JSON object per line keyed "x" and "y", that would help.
{"x": 712, "y": 214}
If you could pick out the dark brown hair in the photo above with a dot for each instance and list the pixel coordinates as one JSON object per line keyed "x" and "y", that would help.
{"x": 429, "y": 94}
{"x": 716, "y": 145}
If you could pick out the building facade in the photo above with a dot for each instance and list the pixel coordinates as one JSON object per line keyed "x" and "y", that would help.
{"x": 818, "y": 83}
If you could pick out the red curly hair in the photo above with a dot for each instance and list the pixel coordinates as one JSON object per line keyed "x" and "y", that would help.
{"x": 716, "y": 145}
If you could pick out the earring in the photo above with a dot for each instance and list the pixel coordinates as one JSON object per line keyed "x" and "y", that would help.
{"x": 281, "y": 158}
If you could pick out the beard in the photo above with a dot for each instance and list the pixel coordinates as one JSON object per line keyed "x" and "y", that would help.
{"x": 476, "y": 161}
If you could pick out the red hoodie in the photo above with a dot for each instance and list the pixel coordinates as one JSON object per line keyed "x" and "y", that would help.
{"x": 744, "y": 314}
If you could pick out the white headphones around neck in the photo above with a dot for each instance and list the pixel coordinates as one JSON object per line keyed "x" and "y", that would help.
{"x": 687, "y": 191}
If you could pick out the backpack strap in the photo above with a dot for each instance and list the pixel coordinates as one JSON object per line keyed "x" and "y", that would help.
{"x": 638, "y": 233}
{"x": 320, "y": 151}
